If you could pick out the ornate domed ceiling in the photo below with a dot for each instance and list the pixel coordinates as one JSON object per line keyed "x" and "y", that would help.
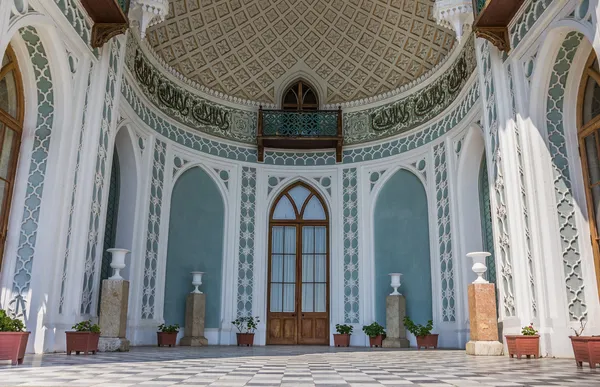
{"x": 354, "y": 48}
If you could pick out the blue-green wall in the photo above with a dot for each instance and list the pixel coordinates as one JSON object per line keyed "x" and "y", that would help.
{"x": 401, "y": 230}
{"x": 195, "y": 244}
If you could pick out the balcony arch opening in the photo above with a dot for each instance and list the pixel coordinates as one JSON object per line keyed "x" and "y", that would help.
{"x": 300, "y": 95}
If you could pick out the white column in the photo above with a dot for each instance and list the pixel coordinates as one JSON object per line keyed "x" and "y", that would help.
{"x": 505, "y": 190}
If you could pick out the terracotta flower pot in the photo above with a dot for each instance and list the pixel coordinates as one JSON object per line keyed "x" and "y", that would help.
{"x": 429, "y": 341}
{"x": 85, "y": 342}
{"x": 521, "y": 345}
{"x": 376, "y": 341}
{"x": 586, "y": 349}
{"x": 13, "y": 345}
{"x": 341, "y": 340}
{"x": 166, "y": 338}
{"x": 245, "y": 339}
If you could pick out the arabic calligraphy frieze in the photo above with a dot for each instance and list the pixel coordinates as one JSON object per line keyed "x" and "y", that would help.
{"x": 186, "y": 107}
{"x": 414, "y": 110}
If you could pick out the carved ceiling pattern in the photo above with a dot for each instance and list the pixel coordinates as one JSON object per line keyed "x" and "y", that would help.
{"x": 357, "y": 48}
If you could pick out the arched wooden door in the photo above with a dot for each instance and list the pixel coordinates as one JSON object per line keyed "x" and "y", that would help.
{"x": 298, "y": 277}
{"x": 11, "y": 128}
{"x": 588, "y": 122}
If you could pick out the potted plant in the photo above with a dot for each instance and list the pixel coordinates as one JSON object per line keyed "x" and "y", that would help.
{"x": 246, "y": 327}
{"x": 527, "y": 343}
{"x": 13, "y": 339}
{"x": 84, "y": 338}
{"x": 167, "y": 335}
{"x": 376, "y": 334}
{"x": 585, "y": 348}
{"x": 342, "y": 338}
{"x": 425, "y": 339}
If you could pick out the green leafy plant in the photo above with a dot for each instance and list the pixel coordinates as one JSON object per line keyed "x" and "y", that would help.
{"x": 168, "y": 328}
{"x": 246, "y": 324}
{"x": 417, "y": 329}
{"x": 344, "y": 329}
{"x": 374, "y": 330}
{"x": 86, "y": 326}
{"x": 9, "y": 324}
{"x": 529, "y": 330}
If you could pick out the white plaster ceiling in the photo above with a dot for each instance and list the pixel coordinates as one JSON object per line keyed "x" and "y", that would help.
{"x": 354, "y": 49}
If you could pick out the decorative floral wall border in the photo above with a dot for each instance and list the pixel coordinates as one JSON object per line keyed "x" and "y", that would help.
{"x": 351, "y": 251}
{"x": 565, "y": 206}
{"x": 246, "y": 242}
{"x": 78, "y": 20}
{"x": 444, "y": 233}
{"x": 502, "y": 247}
{"x": 37, "y": 172}
{"x": 524, "y": 196}
{"x": 526, "y": 20}
{"x": 100, "y": 180}
{"x": 153, "y": 232}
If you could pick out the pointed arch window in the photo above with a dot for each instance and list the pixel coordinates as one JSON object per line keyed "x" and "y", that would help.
{"x": 11, "y": 129}
{"x": 300, "y": 96}
{"x": 298, "y": 285}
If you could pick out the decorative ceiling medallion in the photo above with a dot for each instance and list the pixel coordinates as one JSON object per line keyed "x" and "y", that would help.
{"x": 358, "y": 48}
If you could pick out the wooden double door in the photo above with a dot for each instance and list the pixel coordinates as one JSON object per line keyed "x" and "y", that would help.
{"x": 298, "y": 286}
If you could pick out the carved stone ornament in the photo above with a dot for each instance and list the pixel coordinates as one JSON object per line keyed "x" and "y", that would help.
{"x": 103, "y": 32}
{"x": 456, "y": 15}
{"x": 148, "y": 13}
{"x": 498, "y": 36}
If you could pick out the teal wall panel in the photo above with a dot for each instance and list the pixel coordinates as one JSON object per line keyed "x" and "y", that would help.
{"x": 401, "y": 230}
{"x": 195, "y": 244}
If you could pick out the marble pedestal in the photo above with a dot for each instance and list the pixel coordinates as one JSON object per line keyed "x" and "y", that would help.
{"x": 195, "y": 312}
{"x": 113, "y": 316}
{"x": 395, "y": 310}
{"x": 484, "y": 321}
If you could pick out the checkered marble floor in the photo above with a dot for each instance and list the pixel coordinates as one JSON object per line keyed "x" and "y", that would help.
{"x": 292, "y": 366}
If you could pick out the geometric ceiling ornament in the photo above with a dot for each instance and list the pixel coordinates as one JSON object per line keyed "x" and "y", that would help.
{"x": 357, "y": 49}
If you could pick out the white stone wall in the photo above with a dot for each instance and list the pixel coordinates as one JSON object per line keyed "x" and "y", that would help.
{"x": 507, "y": 117}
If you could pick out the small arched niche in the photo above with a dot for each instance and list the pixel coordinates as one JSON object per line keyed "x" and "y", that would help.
{"x": 401, "y": 240}
{"x": 196, "y": 232}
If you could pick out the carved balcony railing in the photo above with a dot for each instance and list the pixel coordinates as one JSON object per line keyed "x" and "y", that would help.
{"x": 492, "y": 18}
{"x": 282, "y": 129}
{"x": 110, "y": 19}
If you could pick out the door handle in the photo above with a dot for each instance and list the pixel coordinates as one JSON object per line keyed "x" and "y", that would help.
{"x": 293, "y": 314}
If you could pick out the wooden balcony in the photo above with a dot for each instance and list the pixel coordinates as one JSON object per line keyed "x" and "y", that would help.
{"x": 321, "y": 129}
{"x": 110, "y": 19}
{"x": 492, "y": 18}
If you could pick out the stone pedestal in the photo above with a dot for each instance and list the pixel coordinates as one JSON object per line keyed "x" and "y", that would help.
{"x": 195, "y": 308}
{"x": 395, "y": 311}
{"x": 113, "y": 316}
{"x": 484, "y": 321}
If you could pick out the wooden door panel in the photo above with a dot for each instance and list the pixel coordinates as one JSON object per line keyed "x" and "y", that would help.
{"x": 307, "y": 328}
{"x": 282, "y": 329}
{"x": 314, "y": 329}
